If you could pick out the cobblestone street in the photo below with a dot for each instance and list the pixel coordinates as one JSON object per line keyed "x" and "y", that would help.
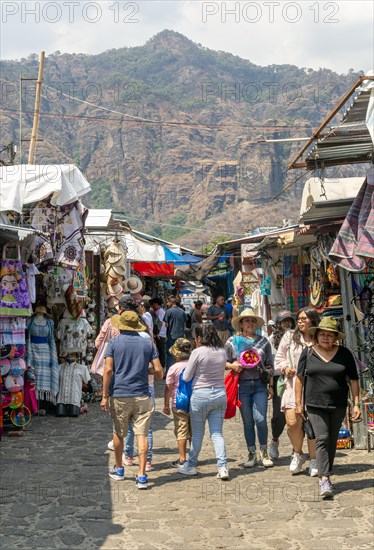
{"x": 56, "y": 493}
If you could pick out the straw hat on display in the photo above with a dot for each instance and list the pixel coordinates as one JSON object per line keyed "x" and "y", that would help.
{"x": 115, "y": 254}
{"x": 115, "y": 288}
{"x": 42, "y": 310}
{"x": 133, "y": 285}
{"x": 330, "y": 324}
{"x": 116, "y": 271}
{"x": 245, "y": 314}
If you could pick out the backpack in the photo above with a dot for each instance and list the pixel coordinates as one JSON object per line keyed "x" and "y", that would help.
{"x": 188, "y": 320}
{"x": 183, "y": 396}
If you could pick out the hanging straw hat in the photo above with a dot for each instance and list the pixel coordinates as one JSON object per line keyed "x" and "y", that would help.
{"x": 245, "y": 314}
{"x": 42, "y": 310}
{"x": 128, "y": 320}
{"x": 133, "y": 285}
{"x": 116, "y": 272}
{"x": 330, "y": 324}
{"x": 315, "y": 295}
{"x": 115, "y": 288}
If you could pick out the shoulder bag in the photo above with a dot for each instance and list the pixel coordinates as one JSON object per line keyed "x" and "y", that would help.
{"x": 306, "y": 423}
{"x": 281, "y": 383}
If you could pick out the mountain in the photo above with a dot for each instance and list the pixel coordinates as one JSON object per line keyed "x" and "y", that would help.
{"x": 177, "y": 143}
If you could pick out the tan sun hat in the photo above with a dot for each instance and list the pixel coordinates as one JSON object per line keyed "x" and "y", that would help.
{"x": 133, "y": 285}
{"x": 128, "y": 320}
{"x": 245, "y": 314}
{"x": 330, "y": 324}
{"x": 181, "y": 349}
{"x": 115, "y": 289}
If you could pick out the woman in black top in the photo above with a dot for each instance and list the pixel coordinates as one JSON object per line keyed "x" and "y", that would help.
{"x": 327, "y": 367}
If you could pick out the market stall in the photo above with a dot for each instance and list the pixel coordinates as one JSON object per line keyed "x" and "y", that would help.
{"x": 44, "y": 330}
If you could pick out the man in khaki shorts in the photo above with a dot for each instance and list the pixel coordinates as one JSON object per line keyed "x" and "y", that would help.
{"x": 125, "y": 388}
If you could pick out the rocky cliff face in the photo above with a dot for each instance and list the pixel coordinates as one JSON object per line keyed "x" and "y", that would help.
{"x": 190, "y": 158}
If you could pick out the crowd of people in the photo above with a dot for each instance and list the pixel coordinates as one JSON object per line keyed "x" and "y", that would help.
{"x": 302, "y": 368}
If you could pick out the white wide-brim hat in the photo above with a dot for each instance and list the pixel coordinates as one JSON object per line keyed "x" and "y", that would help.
{"x": 245, "y": 314}
{"x": 116, "y": 271}
{"x": 115, "y": 289}
{"x": 133, "y": 285}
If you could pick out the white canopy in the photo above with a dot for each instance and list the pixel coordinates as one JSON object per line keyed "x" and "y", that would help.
{"x": 329, "y": 189}
{"x": 137, "y": 249}
{"x": 23, "y": 184}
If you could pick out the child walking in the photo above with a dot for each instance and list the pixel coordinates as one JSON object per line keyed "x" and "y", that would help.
{"x": 181, "y": 350}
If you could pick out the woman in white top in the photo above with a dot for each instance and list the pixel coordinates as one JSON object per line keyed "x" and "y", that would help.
{"x": 206, "y": 368}
{"x": 286, "y": 360}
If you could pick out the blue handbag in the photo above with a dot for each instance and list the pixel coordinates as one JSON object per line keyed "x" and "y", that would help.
{"x": 184, "y": 393}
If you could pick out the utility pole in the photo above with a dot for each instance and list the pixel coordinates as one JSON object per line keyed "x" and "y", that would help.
{"x": 35, "y": 126}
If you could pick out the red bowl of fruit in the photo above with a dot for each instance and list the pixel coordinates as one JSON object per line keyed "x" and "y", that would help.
{"x": 249, "y": 358}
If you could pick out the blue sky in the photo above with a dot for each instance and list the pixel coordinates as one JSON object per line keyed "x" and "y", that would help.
{"x": 336, "y": 35}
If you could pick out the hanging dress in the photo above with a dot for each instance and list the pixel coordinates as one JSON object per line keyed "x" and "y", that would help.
{"x": 42, "y": 357}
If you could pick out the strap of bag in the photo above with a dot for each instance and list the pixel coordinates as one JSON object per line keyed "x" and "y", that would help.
{"x": 289, "y": 349}
{"x": 308, "y": 354}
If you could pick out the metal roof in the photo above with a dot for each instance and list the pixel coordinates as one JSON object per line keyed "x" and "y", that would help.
{"x": 323, "y": 211}
{"x": 348, "y": 142}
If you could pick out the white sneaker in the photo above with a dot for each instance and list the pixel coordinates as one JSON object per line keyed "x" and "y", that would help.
{"x": 265, "y": 459}
{"x": 111, "y": 445}
{"x": 252, "y": 460}
{"x": 297, "y": 463}
{"x": 187, "y": 470}
{"x": 274, "y": 449}
{"x": 223, "y": 473}
{"x": 313, "y": 470}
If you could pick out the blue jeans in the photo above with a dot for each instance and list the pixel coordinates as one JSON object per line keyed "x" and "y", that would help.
{"x": 129, "y": 442}
{"x": 207, "y": 404}
{"x": 254, "y": 397}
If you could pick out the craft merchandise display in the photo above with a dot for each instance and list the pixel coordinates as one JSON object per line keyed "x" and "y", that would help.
{"x": 15, "y": 387}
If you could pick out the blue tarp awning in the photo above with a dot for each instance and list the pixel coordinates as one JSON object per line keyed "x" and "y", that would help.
{"x": 171, "y": 256}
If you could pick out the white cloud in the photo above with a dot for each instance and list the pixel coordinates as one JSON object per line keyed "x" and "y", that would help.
{"x": 312, "y": 40}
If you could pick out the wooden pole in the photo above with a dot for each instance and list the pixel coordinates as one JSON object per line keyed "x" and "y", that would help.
{"x": 20, "y": 119}
{"x": 315, "y": 135}
{"x": 35, "y": 125}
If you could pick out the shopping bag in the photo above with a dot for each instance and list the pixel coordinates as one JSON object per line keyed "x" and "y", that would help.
{"x": 98, "y": 364}
{"x": 231, "y": 385}
{"x": 184, "y": 393}
{"x": 14, "y": 298}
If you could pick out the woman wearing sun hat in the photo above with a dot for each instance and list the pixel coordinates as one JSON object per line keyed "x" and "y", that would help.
{"x": 253, "y": 392}
{"x": 325, "y": 371}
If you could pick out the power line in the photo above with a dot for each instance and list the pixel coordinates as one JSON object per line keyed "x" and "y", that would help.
{"x": 162, "y": 122}
{"x": 185, "y": 226}
{"x": 290, "y": 185}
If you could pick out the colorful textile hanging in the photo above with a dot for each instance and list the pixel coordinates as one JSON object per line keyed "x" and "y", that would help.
{"x": 14, "y": 298}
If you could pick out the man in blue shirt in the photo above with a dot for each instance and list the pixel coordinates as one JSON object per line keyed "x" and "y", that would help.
{"x": 125, "y": 388}
{"x": 175, "y": 321}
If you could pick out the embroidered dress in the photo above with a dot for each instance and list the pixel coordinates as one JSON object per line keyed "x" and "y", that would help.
{"x": 73, "y": 336}
{"x": 64, "y": 225}
{"x": 42, "y": 357}
{"x": 72, "y": 375}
